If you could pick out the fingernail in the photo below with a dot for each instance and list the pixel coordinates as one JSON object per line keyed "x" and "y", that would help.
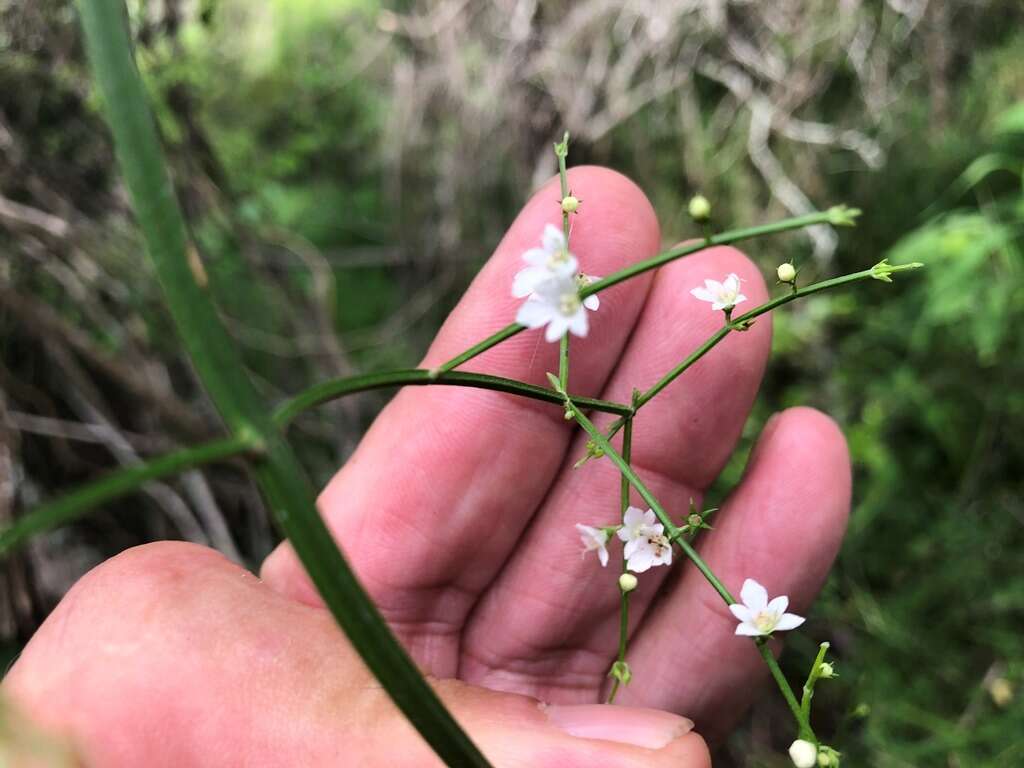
{"x": 648, "y": 728}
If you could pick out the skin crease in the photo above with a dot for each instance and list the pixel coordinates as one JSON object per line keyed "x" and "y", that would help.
{"x": 457, "y": 513}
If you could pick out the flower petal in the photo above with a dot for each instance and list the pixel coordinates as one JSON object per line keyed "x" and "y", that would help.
{"x": 731, "y": 284}
{"x": 592, "y": 302}
{"x": 703, "y": 294}
{"x": 534, "y": 313}
{"x": 557, "y": 327}
{"x": 602, "y": 556}
{"x": 578, "y": 323}
{"x": 641, "y": 560}
{"x": 714, "y": 287}
{"x": 739, "y": 297}
{"x": 789, "y": 621}
{"x": 779, "y": 605}
{"x": 754, "y": 596}
{"x": 748, "y": 630}
{"x": 741, "y": 612}
{"x": 527, "y": 280}
{"x": 552, "y": 239}
{"x": 536, "y": 257}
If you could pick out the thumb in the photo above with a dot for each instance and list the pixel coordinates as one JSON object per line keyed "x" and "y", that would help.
{"x": 513, "y": 731}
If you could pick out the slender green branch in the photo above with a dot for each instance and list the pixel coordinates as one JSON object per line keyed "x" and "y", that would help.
{"x": 812, "y": 679}
{"x": 331, "y": 390}
{"x": 787, "y": 692}
{"x": 627, "y": 451}
{"x": 66, "y": 508}
{"x": 219, "y": 365}
{"x": 737, "y": 324}
{"x": 725, "y": 238}
{"x": 122, "y": 482}
{"x": 673, "y": 531}
{"x": 675, "y": 535}
{"x": 563, "y": 361}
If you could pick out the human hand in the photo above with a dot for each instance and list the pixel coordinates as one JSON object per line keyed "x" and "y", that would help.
{"x": 457, "y": 512}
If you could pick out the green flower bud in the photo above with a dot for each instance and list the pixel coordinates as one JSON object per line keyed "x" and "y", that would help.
{"x": 826, "y": 670}
{"x": 570, "y": 203}
{"x": 786, "y": 272}
{"x": 627, "y": 582}
{"x": 700, "y": 209}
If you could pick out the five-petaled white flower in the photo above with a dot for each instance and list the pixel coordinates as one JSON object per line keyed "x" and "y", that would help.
{"x": 551, "y": 260}
{"x": 760, "y": 617}
{"x": 555, "y": 303}
{"x": 645, "y": 544}
{"x": 722, "y": 295}
{"x": 594, "y": 538}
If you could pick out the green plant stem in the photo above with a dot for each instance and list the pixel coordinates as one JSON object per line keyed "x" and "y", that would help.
{"x": 219, "y": 365}
{"x": 335, "y": 388}
{"x": 712, "y": 341}
{"x": 787, "y": 693}
{"x": 675, "y": 535}
{"x": 66, "y": 508}
{"x": 812, "y": 679}
{"x": 563, "y": 361}
{"x": 725, "y": 238}
{"x": 627, "y": 450}
{"x": 75, "y": 503}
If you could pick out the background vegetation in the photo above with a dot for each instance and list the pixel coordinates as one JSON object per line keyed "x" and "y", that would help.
{"x": 347, "y": 166}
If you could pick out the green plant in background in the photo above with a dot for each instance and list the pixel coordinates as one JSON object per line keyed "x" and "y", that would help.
{"x": 554, "y": 299}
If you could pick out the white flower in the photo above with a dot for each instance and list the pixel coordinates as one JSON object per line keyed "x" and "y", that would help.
{"x": 555, "y": 303}
{"x": 803, "y": 754}
{"x": 646, "y": 546}
{"x": 758, "y": 616}
{"x": 594, "y": 538}
{"x": 636, "y": 525}
{"x": 724, "y": 295}
{"x": 652, "y": 549}
{"x": 552, "y": 259}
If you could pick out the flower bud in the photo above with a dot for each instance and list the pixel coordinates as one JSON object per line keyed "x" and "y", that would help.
{"x": 826, "y": 670}
{"x": 694, "y": 521}
{"x": 627, "y": 582}
{"x": 700, "y": 208}
{"x": 570, "y": 203}
{"x": 803, "y": 754}
{"x": 786, "y": 272}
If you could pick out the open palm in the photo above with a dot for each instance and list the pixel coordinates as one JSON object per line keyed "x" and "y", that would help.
{"x": 457, "y": 511}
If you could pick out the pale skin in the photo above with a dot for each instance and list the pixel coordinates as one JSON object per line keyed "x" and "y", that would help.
{"x": 457, "y": 511}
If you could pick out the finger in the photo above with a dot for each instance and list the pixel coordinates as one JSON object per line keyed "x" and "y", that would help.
{"x": 782, "y": 526}
{"x": 549, "y": 626}
{"x": 170, "y": 655}
{"x": 442, "y": 485}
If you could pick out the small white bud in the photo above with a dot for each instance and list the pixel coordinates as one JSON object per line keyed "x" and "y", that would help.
{"x": 570, "y": 203}
{"x": 826, "y": 670}
{"x": 700, "y": 208}
{"x": 786, "y": 272}
{"x": 627, "y": 582}
{"x": 803, "y": 754}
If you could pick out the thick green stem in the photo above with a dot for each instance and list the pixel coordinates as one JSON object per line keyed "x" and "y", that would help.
{"x": 219, "y": 365}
